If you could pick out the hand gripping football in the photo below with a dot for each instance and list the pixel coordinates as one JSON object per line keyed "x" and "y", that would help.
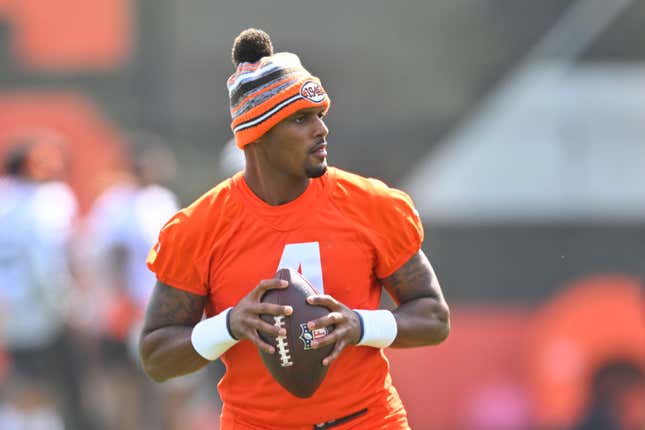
{"x": 295, "y": 365}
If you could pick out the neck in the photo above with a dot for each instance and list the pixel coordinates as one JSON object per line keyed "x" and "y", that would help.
{"x": 271, "y": 186}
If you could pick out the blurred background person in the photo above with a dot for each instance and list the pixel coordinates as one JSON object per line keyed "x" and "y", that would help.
{"x": 616, "y": 398}
{"x": 120, "y": 229}
{"x": 37, "y": 210}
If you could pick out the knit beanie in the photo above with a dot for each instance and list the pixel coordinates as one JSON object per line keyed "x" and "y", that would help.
{"x": 266, "y": 87}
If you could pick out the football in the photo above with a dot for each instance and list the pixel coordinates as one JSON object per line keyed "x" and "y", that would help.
{"x": 295, "y": 365}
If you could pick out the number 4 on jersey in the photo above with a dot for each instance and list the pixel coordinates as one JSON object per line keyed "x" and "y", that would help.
{"x": 305, "y": 258}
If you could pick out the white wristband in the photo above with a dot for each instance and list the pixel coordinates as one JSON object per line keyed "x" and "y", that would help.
{"x": 378, "y": 328}
{"x": 211, "y": 337}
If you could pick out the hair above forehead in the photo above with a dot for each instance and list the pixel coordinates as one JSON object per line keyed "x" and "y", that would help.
{"x": 251, "y": 45}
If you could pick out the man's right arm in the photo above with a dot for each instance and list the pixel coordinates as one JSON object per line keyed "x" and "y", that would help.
{"x": 165, "y": 346}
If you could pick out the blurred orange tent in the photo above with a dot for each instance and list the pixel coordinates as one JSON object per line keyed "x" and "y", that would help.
{"x": 593, "y": 321}
{"x": 505, "y": 366}
{"x": 93, "y": 144}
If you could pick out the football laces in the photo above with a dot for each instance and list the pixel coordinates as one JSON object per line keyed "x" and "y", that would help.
{"x": 282, "y": 344}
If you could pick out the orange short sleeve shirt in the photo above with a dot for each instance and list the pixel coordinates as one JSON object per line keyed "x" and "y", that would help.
{"x": 344, "y": 233}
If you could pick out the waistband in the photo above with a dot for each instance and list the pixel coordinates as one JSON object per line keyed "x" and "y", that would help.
{"x": 338, "y": 421}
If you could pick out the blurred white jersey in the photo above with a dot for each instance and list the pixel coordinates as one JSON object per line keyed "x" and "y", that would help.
{"x": 130, "y": 217}
{"x": 35, "y": 228}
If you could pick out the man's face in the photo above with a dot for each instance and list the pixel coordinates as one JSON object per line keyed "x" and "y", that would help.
{"x": 297, "y": 145}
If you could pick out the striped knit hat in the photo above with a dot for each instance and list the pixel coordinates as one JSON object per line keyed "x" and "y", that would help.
{"x": 267, "y": 89}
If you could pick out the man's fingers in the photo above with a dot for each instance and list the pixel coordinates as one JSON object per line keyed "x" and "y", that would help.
{"x": 338, "y": 348}
{"x": 324, "y": 300}
{"x": 329, "y": 319}
{"x": 246, "y": 321}
{"x": 330, "y": 339}
{"x": 262, "y": 345}
{"x": 272, "y": 309}
{"x": 270, "y": 329}
{"x": 271, "y": 284}
{"x": 335, "y": 336}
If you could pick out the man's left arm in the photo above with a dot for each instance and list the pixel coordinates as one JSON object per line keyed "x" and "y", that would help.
{"x": 422, "y": 315}
{"x": 421, "y": 318}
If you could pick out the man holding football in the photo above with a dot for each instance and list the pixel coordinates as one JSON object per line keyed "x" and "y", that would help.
{"x": 349, "y": 236}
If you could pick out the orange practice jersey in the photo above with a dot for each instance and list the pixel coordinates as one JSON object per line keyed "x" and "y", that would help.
{"x": 344, "y": 233}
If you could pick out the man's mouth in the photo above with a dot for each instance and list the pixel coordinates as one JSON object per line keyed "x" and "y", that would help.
{"x": 320, "y": 149}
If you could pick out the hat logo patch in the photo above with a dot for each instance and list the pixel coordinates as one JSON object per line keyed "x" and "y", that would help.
{"x": 312, "y": 91}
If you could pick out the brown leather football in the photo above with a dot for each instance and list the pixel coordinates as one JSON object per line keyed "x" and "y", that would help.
{"x": 296, "y": 366}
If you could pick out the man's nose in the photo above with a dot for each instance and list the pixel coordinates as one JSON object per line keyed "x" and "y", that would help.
{"x": 321, "y": 128}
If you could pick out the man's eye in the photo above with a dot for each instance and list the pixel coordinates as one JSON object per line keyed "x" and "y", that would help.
{"x": 300, "y": 119}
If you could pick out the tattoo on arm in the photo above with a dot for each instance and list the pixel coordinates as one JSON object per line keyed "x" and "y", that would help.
{"x": 170, "y": 306}
{"x": 422, "y": 315}
{"x": 415, "y": 279}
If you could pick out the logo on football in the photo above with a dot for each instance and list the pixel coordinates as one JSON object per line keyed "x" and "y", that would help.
{"x": 306, "y": 335}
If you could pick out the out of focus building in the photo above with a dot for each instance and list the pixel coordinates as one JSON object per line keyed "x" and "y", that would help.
{"x": 543, "y": 187}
